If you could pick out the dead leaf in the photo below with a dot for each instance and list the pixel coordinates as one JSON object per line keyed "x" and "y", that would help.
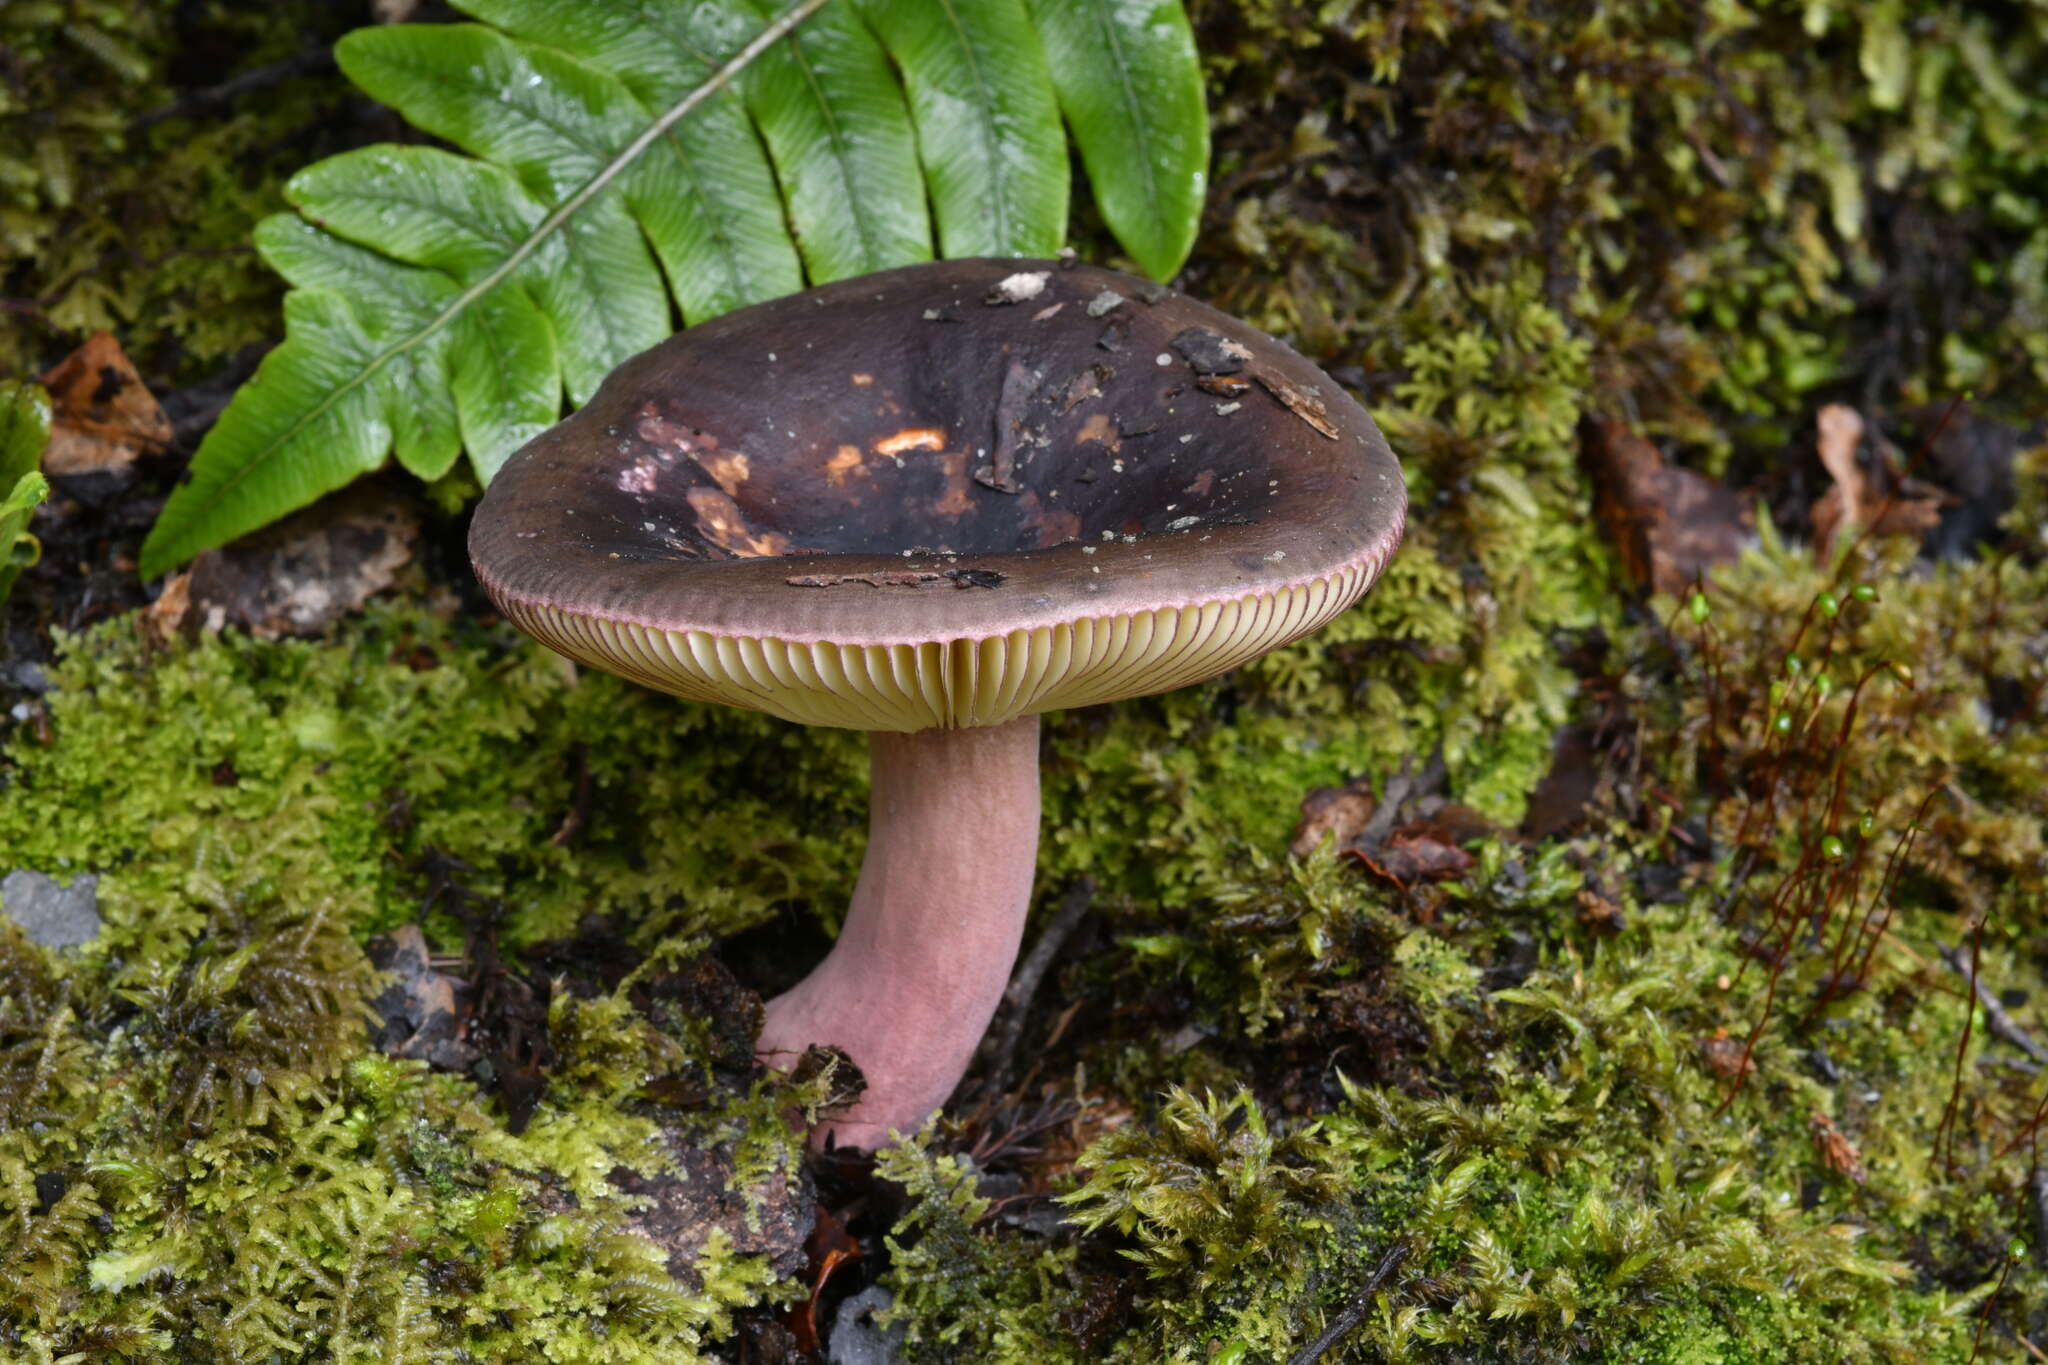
{"x": 103, "y": 415}
{"x": 1208, "y": 352}
{"x": 1912, "y": 509}
{"x": 425, "y": 1012}
{"x": 1060, "y": 1149}
{"x": 1562, "y": 798}
{"x": 696, "y": 1194}
{"x": 1600, "y": 914}
{"x": 1837, "y": 1153}
{"x": 829, "y": 1247}
{"x": 1338, "y": 813}
{"x": 308, "y": 571}
{"x": 1841, "y": 431}
{"x": 1670, "y": 524}
{"x": 1972, "y": 457}
{"x": 1726, "y": 1057}
{"x": 163, "y": 620}
{"x": 1413, "y": 855}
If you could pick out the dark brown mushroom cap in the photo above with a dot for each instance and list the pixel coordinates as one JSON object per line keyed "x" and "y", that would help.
{"x": 944, "y": 495}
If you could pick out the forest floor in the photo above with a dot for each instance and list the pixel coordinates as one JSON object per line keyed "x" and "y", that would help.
{"x": 1621, "y": 937}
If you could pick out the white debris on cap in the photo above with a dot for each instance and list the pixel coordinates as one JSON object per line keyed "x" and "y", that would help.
{"x": 1025, "y": 284}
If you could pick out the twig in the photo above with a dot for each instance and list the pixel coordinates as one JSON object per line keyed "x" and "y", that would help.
{"x": 1400, "y": 788}
{"x": 1030, "y": 972}
{"x": 2001, "y": 1024}
{"x": 55, "y": 294}
{"x": 318, "y": 59}
{"x": 1354, "y": 1312}
{"x": 579, "y": 804}
{"x": 2037, "y": 1183}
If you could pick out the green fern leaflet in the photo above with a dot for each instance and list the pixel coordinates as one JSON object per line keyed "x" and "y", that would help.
{"x": 629, "y": 161}
{"x": 24, "y": 432}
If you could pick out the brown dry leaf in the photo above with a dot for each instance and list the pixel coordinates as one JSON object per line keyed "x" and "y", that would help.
{"x": 1670, "y": 524}
{"x": 1837, "y": 1153}
{"x": 1599, "y": 914}
{"x": 103, "y": 414}
{"x": 1972, "y": 457}
{"x": 163, "y": 620}
{"x": 1913, "y": 510}
{"x": 425, "y": 1013}
{"x": 829, "y": 1247}
{"x": 308, "y": 571}
{"x": 1415, "y": 854}
{"x": 1339, "y": 812}
{"x": 1726, "y": 1057}
{"x": 1059, "y": 1149}
{"x": 1562, "y": 798}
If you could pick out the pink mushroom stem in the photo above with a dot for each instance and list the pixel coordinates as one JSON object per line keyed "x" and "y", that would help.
{"x": 937, "y": 916}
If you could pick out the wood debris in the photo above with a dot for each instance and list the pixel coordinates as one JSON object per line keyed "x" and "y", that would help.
{"x": 1301, "y": 402}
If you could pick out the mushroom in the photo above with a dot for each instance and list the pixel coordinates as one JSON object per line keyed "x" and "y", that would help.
{"x": 931, "y": 504}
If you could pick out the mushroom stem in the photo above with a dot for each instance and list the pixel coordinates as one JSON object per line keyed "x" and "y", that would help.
{"x": 936, "y": 920}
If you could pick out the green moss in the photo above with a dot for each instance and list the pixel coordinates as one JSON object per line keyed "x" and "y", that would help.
{"x": 1496, "y": 220}
{"x": 337, "y": 768}
{"x": 234, "y": 1178}
{"x": 1536, "y": 1134}
{"x": 123, "y": 208}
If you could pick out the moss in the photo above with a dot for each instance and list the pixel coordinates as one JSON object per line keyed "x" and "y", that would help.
{"x": 339, "y": 768}
{"x": 1529, "y": 1102}
{"x": 212, "y": 1167}
{"x": 126, "y": 196}
{"x": 1696, "y": 1127}
{"x": 961, "y": 1290}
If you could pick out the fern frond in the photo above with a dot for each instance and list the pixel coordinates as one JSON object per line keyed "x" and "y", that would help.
{"x": 615, "y": 174}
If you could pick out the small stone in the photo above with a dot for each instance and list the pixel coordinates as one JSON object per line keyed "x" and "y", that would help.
{"x": 1104, "y": 302}
{"x": 856, "y": 1340}
{"x": 1209, "y": 353}
{"x": 52, "y": 915}
{"x": 1025, "y": 284}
